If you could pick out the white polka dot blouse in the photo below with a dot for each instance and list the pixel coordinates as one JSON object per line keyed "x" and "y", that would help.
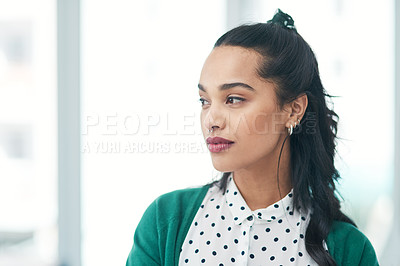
{"x": 225, "y": 231}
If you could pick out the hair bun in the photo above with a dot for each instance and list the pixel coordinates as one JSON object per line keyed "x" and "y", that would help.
{"x": 283, "y": 19}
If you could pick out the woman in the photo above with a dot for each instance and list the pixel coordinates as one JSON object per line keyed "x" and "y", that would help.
{"x": 275, "y": 203}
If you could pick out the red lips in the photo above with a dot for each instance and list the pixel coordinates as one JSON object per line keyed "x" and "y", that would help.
{"x": 218, "y": 140}
{"x": 218, "y": 144}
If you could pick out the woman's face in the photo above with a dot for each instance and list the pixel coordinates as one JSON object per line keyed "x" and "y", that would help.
{"x": 242, "y": 108}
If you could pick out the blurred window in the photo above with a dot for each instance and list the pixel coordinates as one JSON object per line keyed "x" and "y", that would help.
{"x": 28, "y": 183}
{"x": 141, "y": 61}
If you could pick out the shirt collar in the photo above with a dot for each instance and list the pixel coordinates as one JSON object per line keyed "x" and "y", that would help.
{"x": 242, "y": 213}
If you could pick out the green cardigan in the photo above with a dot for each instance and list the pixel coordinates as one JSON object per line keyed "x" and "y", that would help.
{"x": 162, "y": 230}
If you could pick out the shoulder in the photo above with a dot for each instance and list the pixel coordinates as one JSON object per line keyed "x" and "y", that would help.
{"x": 185, "y": 195}
{"x": 342, "y": 230}
{"x": 175, "y": 204}
{"x": 163, "y": 225}
{"x": 349, "y": 246}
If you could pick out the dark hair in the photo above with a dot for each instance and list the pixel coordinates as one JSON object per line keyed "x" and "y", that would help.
{"x": 291, "y": 64}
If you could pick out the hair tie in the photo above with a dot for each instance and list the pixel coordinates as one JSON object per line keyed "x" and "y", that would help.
{"x": 283, "y": 19}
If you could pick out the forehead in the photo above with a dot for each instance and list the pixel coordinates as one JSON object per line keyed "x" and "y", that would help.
{"x": 229, "y": 64}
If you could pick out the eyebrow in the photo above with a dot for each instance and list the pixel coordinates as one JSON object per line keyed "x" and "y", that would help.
{"x": 228, "y": 86}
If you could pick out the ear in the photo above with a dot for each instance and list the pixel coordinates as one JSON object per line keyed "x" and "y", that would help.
{"x": 296, "y": 109}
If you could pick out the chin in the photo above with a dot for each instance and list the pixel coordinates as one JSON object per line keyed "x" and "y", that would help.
{"x": 222, "y": 165}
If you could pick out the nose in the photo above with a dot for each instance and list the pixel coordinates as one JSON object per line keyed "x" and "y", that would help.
{"x": 213, "y": 128}
{"x": 214, "y": 118}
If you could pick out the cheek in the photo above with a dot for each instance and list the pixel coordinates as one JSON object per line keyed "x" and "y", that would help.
{"x": 260, "y": 133}
{"x": 258, "y": 123}
{"x": 261, "y": 124}
{"x": 268, "y": 123}
{"x": 202, "y": 124}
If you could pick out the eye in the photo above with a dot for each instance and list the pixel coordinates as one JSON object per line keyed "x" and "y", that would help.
{"x": 203, "y": 101}
{"x": 233, "y": 100}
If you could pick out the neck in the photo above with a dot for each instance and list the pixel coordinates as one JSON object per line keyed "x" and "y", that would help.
{"x": 258, "y": 183}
